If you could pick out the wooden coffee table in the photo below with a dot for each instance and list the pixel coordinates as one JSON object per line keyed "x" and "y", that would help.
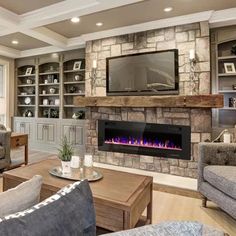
{"x": 120, "y": 198}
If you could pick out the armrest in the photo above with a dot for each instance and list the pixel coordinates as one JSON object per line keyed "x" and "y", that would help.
{"x": 5, "y": 141}
{"x": 215, "y": 154}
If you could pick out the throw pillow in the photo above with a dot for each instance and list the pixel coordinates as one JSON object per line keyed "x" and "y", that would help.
{"x": 21, "y": 197}
{"x": 70, "y": 212}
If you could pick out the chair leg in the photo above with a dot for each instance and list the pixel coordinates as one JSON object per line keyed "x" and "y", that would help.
{"x": 204, "y": 202}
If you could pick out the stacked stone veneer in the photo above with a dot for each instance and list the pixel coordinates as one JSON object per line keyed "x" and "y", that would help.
{"x": 198, "y": 119}
{"x": 185, "y": 37}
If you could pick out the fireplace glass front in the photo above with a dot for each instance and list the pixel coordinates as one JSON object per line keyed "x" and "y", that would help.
{"x": 170, "y": 141}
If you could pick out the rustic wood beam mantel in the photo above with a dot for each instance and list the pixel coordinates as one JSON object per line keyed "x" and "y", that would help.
{"x": 192, "y": 101}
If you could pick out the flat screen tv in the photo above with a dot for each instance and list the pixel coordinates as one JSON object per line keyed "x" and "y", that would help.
{"x": 151, "y": 73}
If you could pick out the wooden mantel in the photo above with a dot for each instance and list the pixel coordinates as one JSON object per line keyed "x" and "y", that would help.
{"x": 194, "y": 101}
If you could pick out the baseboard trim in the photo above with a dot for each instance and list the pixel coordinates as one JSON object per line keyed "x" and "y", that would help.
{"x": 176, "y": 190}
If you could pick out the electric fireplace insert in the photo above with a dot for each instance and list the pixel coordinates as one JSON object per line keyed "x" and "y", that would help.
{"x": 161, "y": 140}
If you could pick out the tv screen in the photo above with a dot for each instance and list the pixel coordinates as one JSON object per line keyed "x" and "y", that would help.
{"x": 143, "y": 73}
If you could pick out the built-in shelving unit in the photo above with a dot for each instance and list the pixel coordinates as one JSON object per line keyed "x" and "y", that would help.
{"x": 26, "y": 87}
{"x": 73, "y": 84}
{"x": 224, "y": 76}
{"x": 44, "y": 102}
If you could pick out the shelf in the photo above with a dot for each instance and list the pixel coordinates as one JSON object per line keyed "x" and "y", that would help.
{"x": 26, "y": 85}
{"x": 48, "y": 106}
{"x": 228, "y": 108}
{"x": 23, "y": 76}
{"x": 69, "y": 106}
{"x": 21, "y": 105}
{"x": 74, "y": 71}
{"x": 227, "y": 91}
{"x": 74, "y": 94}
{"x": 75, "y": 82}
{"x": 48, "y": 95}
{"x": 27, "y": 95}
{"x": 227, "y": 57}
{"x": 49, "y": 73}
{"x": 226, "y": 74}
{"x": 49, "y": 84}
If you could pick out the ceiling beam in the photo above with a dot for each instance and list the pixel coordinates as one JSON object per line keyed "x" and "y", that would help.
{"x": 223, "y": 18}
{"x": 9, "y": 52}
{"x": 67, "y": 9}
{"x": 46, "y": 35}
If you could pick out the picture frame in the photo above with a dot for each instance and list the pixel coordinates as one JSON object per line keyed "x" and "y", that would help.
{"x": 28, "y": 71}
{"x": 77, "y": 65}
{"x": 229, "y": 68}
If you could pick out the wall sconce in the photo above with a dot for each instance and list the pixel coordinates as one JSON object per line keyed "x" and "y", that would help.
{"x": 192, "y": 74}
{"x": 93, "y": 76}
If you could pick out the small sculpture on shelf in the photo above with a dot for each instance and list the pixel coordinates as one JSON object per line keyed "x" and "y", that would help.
{"x": 72, "y": 89}
{"x": 28, "y": 113}
{"x": 78, "y": 115}
{"x": 52, "y": 90}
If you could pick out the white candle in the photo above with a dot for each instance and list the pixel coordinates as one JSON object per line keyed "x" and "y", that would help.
{"x": 74, "y": 163}
{"x": 227, "y": 137}
{"x": 192, "y": 54}
{"x": 94, "y": 64}
{"x": 88, "y": 160}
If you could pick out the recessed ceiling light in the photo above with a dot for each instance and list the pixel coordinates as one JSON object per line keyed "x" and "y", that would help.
{"x": 168, "y": 9}
{"x": 99, "y": 24}
{"x": 14, "y": 42}
{"x": 75, "y": 19}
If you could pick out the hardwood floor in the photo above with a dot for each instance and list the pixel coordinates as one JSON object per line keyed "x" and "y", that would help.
{"x": 167, "y": 206}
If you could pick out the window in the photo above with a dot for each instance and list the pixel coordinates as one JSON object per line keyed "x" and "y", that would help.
{"x": 2, "y": 82}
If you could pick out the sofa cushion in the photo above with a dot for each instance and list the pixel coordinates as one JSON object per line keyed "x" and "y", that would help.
{"x": 69, "y": 212}
{"x": 222, "y": 177}
{"x": 172, "y": 228}
{"x": 21, "y": 197}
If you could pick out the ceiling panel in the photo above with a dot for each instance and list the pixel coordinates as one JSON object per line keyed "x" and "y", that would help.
{"x": 23, "y": 6}
{"x": 25, "y": 42}
{"x": 137, "y": 13}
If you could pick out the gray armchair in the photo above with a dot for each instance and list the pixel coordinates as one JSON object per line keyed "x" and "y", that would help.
{"x": 5, "y": 137}
{"x": 217, "y": 175}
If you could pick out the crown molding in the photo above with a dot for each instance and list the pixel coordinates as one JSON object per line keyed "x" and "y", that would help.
{"x": 46, "y": 50}
{"x": 9, "y": 52}
{"x": 223, "y": 18}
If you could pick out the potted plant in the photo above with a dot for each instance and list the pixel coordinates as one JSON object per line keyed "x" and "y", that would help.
{"x": 65, "y": 154}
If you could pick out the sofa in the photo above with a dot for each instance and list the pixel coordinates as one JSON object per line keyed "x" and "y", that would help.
{"x": 5, "y": 137}
{"x": 217, "y": 175}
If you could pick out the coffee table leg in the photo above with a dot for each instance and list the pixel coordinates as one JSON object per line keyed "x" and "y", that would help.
{"x": 127, "y": 220}
{"x": 149, "y": 208}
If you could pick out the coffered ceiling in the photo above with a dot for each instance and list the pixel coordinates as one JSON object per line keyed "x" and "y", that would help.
{"x": 45, "y": 26}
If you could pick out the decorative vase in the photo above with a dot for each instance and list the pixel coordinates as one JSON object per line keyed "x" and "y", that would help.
{"x": 52, "y": 90}
{"x": 65, "y": 165}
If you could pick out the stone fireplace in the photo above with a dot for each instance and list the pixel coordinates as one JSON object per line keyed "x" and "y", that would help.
{"x": 169, "y": 141}
{"x": 184, "y": 37}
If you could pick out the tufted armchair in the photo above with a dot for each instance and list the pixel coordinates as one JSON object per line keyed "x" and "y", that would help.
{"x": 4, "y": 147}
{"x": 217, "y": 175}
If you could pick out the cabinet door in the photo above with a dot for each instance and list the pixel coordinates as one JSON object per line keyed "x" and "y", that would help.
{"x": 24, "y": 127}
{"x": 68, "y": 131}
{"x": 50, "y": 135}
{"x": 79, "y": 135}
{"x": 40, "y": 132}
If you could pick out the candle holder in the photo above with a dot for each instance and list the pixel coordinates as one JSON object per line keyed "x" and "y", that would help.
{"x": 192, "y": 75}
